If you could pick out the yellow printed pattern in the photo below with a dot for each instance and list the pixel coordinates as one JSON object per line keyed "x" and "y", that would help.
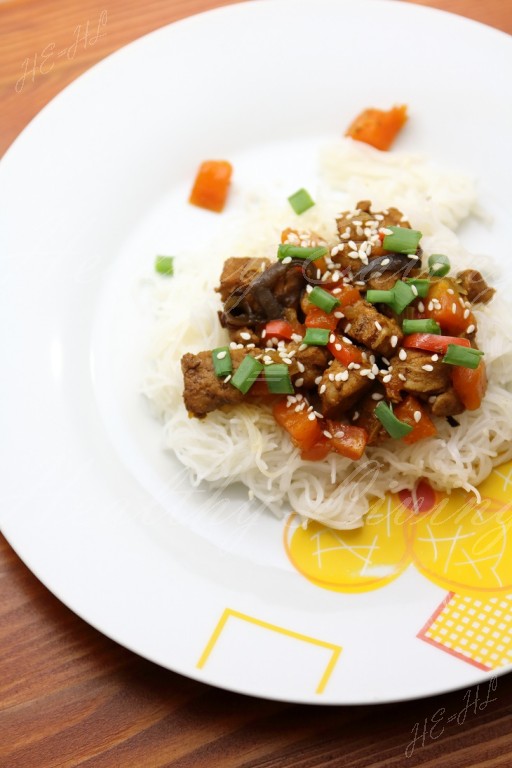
{"x": 230, "y": 613}
{"x": 460, "y": 543}
{"x": 479, "y": 631}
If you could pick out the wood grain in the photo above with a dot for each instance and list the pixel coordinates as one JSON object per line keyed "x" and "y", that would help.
{"x": 70, "y": 696}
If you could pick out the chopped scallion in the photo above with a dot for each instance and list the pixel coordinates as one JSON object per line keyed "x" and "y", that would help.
{"x": 393, "y": 426}
{"x": 318, "y": 336}
{"x": 467, "y": 357}
{"x": 403, "y": 240}
{"x": 323, "y": 299}
{"x": 246, "y": 374}
{"x": 380, "y": 297}
{"x": 420, "y": 326}
{"x": 300, "y": 201}
{"x": 438, "y": 264}
{"x": 164, "y": 265}
{"x": 277, "y": 376}
{"x": 403, "y": 295}
{"x": 222, "y": 363}
{"x": 286, "y": 250}
{"x": 422, "y": 285}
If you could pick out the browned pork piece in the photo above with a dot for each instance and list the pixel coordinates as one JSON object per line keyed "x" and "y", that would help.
{"x": 340, "y": 388}
{"x": 475, "y": 287}
{"x": 446, "y": 404}
{"x": 371, "y": 328}
{"x": 203, "y": 390}
{"x": 351, "y": 224}
{"x": 364, "y": 416}
{"x": 309, "y": 364}
{"x": 417, "y": 372}
{"x": 238, "y": 273}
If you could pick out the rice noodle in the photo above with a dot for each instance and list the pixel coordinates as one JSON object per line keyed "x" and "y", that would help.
{"x": 245, "y": 444}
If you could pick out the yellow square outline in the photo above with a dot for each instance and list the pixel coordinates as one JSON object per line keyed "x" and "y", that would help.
{"x": 336, "y": 649}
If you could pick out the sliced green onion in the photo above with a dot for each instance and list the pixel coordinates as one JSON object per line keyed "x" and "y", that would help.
{"x": 318, "y": 336}
{"x": 393, "y": 426}
{"x": 420, "y": 326}
{"x": 164, "y": 265}
{"x": 246, "y": 374}
{"x": 222, "y": 362}
{"x": 403, "y": 240}
{"x": 403, "y": 295}
{"x": 300, "y": 201}
{"x": 467, "y": 357}
{"x": 422, "y": 285}
{"x": 277, "y": 376}
{"x": 380, "y": 297}
{"x": 286, "y": 250}
{"x": 438, "y": 264}
{"x": 323, "y": 299}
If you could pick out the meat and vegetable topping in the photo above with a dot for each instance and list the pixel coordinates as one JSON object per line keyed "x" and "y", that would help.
{"x": 350, "y": 343}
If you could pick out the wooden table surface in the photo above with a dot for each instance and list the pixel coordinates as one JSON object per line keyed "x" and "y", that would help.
{"x": 70, "y": 696}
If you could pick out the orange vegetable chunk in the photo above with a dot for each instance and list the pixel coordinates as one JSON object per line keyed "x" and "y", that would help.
{"x": 304, "y": 432}
{"x": 470, "y": 385}
{"x": 425, "y": 427}
{"x": 378, "y": 127}
{"x": 211, "y": 185}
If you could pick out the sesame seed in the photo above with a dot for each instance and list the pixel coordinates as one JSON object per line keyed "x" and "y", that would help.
{"x": 322, "y": 389}
{"x": 454, "y": 307}
{"x": 232, "y": 345}
{"x": 327, "y": 434}
{"x": 387, "y": 378}
{"x": 385, "y": 262}
{"x": 228, "y": 377}
{"x": 432, "y": 398}
{"x": 250, "y": 346}
{"x": 355, "y": 416}
{"x": 286, "y": 360}
{"x": 299, "y": 382}
{"x": 470, "y": 328}
{"x": 311, "y": 417}
{"x": 371, "y": 376}
{"x": 345, "y": 338}
{"x": 338, "y": 377}
{"x": 303, "y": 347}
{"x": 402, "y": 354}
{"x": 309, "y": 288}
{"x": 385, "y": 361}
{"x": 318, "y": 380}
{"x": 301, "y": 366}
{"x": 451, "y": 291}
{"x": 287, "y": 260}
{"x": 263, "y": 333}
{"x": 364, "y": 372}
{"x": 338, "y": 315}
{"x": 430, "y": 306}
{"x": 427, "y": 367}
{"x": 375, "y": 369}
{"x": 377, "y": 396}
{"x": 421, "y": 306}
{"x": 466, "y": 314}
{"x": 402, "y": 377}
{"x": 332, "y": 338}
{"x": 378, "y": 325}
{"x": 331, "y": 377}
{"x": 394, "y": 341}
{"x": 344, "y": 376}
{"x": 417, "y": 416}
{"x": 221, "y": 355}
{"x": 434, "y": 358}
{"x": 414, "y": 289}
{"x": 318, "y": 415}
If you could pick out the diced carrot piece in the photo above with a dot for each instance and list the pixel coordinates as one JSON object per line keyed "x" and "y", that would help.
{"x": 470, "y": 385}
{"x": 317, "y": 318}
{"x": 318, "y": 451}
{"x": 211, "y": 185}
{"x": 378, "y": 127}
{"x": 447, "y": 309}
{"x": 347, "y": 440}
{"x": 304, "y": 432}
{"x": 422, "y": 428}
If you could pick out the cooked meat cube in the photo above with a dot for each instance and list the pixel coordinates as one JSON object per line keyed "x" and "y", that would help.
{"x": 475, "y": 287}
{"x": 382, "y": 281}
{"x": 353, "y": 223}
{"x": 343, "y": 387}
{"x": 364, "y": 416}
{"x": 371, "y": 328}
{"x": 204, "y": 391}
{"x": 446, "y": 404}
{"x": 314, "y": 361}
{"x": 239, "y": 273}
{"x": 244, "y": 336}
{"x": 417, "y": 373}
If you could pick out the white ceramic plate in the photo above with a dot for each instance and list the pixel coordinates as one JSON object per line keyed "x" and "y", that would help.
{"x": 90, "y": 192}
